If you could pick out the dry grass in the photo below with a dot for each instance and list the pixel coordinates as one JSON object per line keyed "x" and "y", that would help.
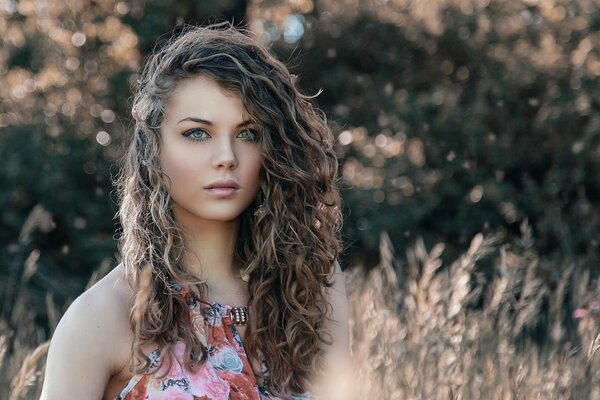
{"x": 444, "y": 335}
{"x": 421, "y": 330}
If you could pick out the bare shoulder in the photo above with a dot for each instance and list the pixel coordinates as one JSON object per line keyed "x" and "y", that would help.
{"x": 91, "y": 341}
{"x": 339, "y": 374}
{"x": 337, "y": 323}
{"x": 103, "y": 308}
{"x": 111, "y": 298}
{"x": 339, "y": 302}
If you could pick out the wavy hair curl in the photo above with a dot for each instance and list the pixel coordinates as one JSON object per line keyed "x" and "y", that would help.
{"x": 288, "y": 251}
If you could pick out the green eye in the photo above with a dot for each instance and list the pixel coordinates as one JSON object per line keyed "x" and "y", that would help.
{"x": 249, "y": 134}
{"x": 196, "y": 134}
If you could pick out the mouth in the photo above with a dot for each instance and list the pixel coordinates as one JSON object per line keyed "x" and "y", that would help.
{"x": 223, "y": 188}
{"x": 223, "y": 184}
{"x": 222, "y": 191}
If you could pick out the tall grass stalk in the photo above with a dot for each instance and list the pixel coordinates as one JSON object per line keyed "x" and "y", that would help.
{"x": 424, "y": 330}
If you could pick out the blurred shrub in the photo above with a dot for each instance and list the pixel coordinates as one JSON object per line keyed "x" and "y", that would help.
{"x": 65, "y": 81}
{"x": 452, "y": 116}
{"x": 459, "y": 116}
{"x": 62, "y": 88}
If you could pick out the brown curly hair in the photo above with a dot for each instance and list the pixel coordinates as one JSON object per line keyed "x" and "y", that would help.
{"x": 288, "y": 251}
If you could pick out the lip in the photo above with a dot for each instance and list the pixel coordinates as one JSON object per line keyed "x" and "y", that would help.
{"x": 223, "y": 184}
{"x": 222, "y": 192}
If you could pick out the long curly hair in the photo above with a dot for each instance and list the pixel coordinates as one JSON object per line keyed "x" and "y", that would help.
{"x": 288, "y": 251}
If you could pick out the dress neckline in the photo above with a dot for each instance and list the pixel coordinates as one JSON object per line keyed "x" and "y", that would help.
{"x": 209, "y": 308}
{"x": 187, "y": 293}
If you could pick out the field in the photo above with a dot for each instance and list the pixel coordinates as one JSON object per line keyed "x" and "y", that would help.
{"x": 424, "y": 330}
{"x": 468, "y": 139}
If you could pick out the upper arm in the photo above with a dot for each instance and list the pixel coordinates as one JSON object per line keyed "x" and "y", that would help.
{"x": 338, "y": 325}
{"x": 83, "y": 349}
{"x": 339, "y": 372}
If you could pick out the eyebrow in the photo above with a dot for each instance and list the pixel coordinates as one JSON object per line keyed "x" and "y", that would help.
{"x": 209, "y": 123}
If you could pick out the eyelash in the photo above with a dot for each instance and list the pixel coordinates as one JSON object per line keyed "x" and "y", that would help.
{"x": 189, "y": 132}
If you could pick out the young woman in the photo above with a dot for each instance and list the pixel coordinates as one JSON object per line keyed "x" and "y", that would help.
{"x": 228, "y": 287}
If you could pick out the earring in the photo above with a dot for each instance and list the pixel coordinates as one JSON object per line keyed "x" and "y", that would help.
{"x": 245, "y": 276}
{"x": 260, "y": 210}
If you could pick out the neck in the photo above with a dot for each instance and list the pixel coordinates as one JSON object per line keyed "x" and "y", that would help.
{"x": 210, "y": 249}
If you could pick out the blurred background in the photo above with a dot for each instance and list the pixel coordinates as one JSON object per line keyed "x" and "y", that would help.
{"x": 468, "y": 134}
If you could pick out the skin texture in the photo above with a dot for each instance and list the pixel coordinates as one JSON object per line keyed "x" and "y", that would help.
{"x": 195, "y": 154}
{"x": 91, "y": 347}
{"x": 286, "y": 252}
{"x": 222, "y": 150}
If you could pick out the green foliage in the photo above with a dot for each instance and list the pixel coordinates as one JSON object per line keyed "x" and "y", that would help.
{"x": 474, "y": 128}
{"x": 64, "y": 112}
{"x": 452, "y": 118}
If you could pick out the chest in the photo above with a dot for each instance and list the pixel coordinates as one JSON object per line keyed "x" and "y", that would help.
{"x": 228, "y": 360}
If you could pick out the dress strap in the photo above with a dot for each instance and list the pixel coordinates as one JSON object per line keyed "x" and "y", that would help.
{"x": 239, "y": 315}
{"x": 235, "y": 314}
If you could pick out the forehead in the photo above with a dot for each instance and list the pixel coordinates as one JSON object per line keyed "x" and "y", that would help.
{"x": 200, "y": 96}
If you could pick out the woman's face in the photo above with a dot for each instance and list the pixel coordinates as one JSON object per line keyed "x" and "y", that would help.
{"x": 206, "y": 136}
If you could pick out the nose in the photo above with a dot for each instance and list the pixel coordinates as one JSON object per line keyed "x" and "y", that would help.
{"x": 224, "y": 155}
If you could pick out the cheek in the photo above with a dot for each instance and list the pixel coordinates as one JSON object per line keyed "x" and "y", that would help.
{"x": 167, "y": 169}
{"x": 176, "y": 168}
{"x": 254, "y": 168}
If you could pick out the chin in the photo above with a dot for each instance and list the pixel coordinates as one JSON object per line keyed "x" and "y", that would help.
{"x": 224, "y": 217}
{"x": 221, "y": 214}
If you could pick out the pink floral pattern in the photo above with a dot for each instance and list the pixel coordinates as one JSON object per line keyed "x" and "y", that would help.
{"x": 226, "y": 374}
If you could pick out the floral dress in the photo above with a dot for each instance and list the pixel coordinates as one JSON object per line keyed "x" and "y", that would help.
{"x": 226, "y": 374}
